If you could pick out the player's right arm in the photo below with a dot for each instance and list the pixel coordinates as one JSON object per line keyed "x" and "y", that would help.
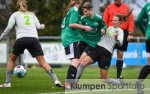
{"x": 73, "y": 22}
{"x": 142, "y": 16}
{"x": 37, "y": 23}
{"x": 10, "y": 25}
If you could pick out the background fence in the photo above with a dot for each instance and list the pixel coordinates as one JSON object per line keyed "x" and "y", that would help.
{"x": 55, "y": 54}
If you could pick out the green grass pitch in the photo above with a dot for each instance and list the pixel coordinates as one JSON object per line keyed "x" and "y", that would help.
{"x": 37, "y": 80}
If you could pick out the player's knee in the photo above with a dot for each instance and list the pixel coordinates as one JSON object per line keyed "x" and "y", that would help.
{"x": 148, "y": 63}
{"x": 148, "y": 60}
{"x": 86, "y": 61}
{"x": 41, "y": 60}
{"x": 75, "y": 62}
{"x": 120, "y": 56}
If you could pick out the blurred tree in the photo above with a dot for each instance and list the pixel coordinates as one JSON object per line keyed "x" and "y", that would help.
{"x": 49, "y": 12}
{"x": 4, "y": 14}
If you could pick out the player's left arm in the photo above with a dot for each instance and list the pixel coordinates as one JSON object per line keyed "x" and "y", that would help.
{"x": 37, "y": 23}
{"x": 73, "y": 22}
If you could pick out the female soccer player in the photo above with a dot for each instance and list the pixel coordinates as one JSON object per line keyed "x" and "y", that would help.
{"x": 26, "y": 25}
{"x": 145, "y": 29}
{"x": 118, "y": 7}
{"x": 71, "y": 36}
{"x": 103, "y": 52}
{"x": 95, "y": 22}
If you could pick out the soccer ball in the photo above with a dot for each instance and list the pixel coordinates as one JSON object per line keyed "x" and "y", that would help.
{"x": 20, "y": 71}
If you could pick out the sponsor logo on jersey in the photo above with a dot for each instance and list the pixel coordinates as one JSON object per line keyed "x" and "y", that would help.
{"x": 95, "y": 23}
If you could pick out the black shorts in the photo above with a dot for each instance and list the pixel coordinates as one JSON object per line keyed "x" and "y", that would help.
{"x": 148, "y": 45}
{"x": 82, "y": 46}
{"x": 101, "y": 55}
{"x": 29, "y": 43}
{"x": 125, "y": 42}
{"x": 72, "y": 51}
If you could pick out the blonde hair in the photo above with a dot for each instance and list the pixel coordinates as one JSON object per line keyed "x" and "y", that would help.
{"x": 24, "y": 3}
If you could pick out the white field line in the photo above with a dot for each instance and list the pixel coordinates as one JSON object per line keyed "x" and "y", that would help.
{"x": 115, "y": 90}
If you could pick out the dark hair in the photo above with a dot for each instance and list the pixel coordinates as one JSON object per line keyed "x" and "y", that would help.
{"x": 87, "y": 5}
{"x": 72, "y": 3}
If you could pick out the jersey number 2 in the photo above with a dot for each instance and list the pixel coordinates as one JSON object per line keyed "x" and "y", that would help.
{"x": 27, "y": 18}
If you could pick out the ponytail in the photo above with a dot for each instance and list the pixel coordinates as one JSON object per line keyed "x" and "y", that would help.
{"x": 72, "y": 3}
{"x": 24, "y": 2}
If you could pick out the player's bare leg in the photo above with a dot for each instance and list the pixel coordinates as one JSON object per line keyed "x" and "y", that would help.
{"x": 9, "y": 71}
{"x": 82, "y": 56}
{"x": 84, "y": 62}
{"x": 104, "y": 74}
{"x": 49, "y": 70}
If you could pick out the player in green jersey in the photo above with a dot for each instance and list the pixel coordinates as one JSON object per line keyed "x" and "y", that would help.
{"x": 70, "y": 36}
{"x": 104, "y": 50}
{"x": 144, "y": 14}
{"x": 97, "y": 24}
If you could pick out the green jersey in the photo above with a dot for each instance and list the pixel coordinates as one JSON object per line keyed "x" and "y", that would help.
{"x": 63, "y": 26}
{"x": 145, "y": 14}
{"x": 70, "y": 35}
{"x": 96, "y": 23}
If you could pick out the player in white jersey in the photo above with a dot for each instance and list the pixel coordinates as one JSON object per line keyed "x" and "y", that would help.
{"x": 26, "y": 25}
{"x": 103, "y": 52}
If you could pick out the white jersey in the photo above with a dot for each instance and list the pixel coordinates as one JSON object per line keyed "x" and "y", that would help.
{"x": 26, "y": 24}
{"x": 108, "y": 40}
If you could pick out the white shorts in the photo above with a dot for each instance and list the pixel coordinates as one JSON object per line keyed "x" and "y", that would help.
{"x": 72, "y": 51}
